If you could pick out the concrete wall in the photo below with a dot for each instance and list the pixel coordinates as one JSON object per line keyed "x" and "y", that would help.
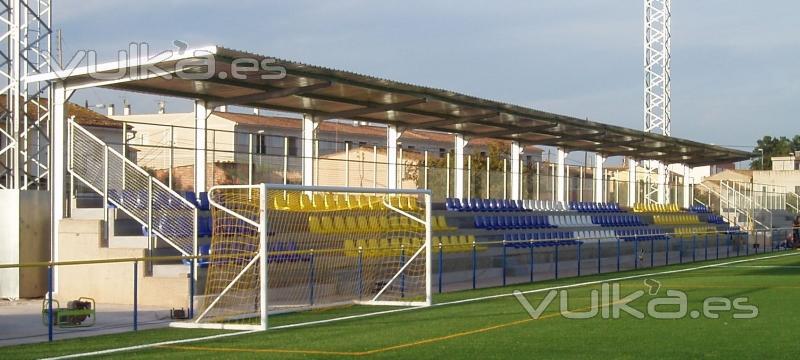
{"x": 24, "y": 238}
{"x": 153, "y": 131}
{"x": 788, "y": 179}
{"x": 109, "y": 283}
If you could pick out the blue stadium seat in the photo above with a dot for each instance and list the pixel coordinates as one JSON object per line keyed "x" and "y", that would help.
{"x": 190, "y": 197}
{"x": 204, "y": 226}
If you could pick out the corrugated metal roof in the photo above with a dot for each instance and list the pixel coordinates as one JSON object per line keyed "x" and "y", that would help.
{"x": 330, "y": 93}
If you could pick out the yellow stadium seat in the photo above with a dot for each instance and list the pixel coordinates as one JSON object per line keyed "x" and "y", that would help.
{"x": 352, "y": 201}
{"x": 385, "y": 224}
{"x": 319, "y": 201}
{"x": 405, "y": 224}
{"x": 395, "y": 201}
{"x": 351, "y": 224}
{"x": 339, "y": 225}
{"x": 293, "y": 201}
{"x": 372, "y": 248}
{"x": 374, "y": 224}
{"x": 279, "y": 203}
{"x": 376, "y": 203}
{"x": 435, "y": 240}
{"x": 326, "y": 224}
{"x": 330, "y": 201}
{"x": 361, "y": 244}
{"x": 412, "y": 203}
{"x": 305, "y": 203}
{"x": 362, "y": 224}
{"x": 443, "y": 223}
{"x": 394, "y": 223}
{"x": 314, "y": 225}
{"x": 463, "y": 244}
{"x": 341, "y": 202}
{"x": 350, "y": 248}
{"x": 386, "y": 247}
{"x": 363, "y": 202}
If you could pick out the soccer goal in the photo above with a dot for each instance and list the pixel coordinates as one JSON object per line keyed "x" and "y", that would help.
{"x": 287, "y": 248}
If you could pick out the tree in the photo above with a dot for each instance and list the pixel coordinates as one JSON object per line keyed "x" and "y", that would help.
{"x": 771, "y": 146}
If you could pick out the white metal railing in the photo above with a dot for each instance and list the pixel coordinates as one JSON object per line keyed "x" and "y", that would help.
{"x": 165, "y": 214}
{"x": 793, "y": 202}
{"x": 737, "y": 197}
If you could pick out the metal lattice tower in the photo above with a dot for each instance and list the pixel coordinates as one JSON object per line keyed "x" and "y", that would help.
{"x": 657, "y": 23}
{"x": 25, "y": 50}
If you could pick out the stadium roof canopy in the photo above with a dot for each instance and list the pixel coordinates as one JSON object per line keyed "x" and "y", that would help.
{"x": 270, "y": 83}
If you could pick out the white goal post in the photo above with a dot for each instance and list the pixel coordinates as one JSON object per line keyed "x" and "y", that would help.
{"x": 286, "y": 248}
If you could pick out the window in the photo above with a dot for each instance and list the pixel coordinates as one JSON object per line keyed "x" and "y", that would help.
{"x": 294, "y": 146}
{"x": 261, "y": 144}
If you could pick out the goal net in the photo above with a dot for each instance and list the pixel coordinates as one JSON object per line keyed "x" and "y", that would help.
{"x": 286, "y": 248}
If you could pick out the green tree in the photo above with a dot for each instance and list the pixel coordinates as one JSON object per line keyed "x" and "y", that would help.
{"x": 768, "y": 146}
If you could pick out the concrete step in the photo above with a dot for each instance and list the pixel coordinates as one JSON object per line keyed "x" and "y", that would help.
{"x": 127, "y": 242}
{"x": 170, "y": 270}
{"x": 87, "y": 213}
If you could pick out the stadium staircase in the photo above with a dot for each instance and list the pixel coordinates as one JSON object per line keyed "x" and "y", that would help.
{"x": 138, "y": 211}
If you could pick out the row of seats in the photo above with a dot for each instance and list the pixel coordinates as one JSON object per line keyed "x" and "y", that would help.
{"x": 701, "y": 209}
{"x": 656, "y": 208}
{"x": 392, "y": 247}
{"x": 675, "y": 219}
{"x": 571, "y": 220}
{"x": 348, "y": 224}
{"x": 596, "y": 235}
{"x": 520, "y": 241}
{"x": 545, "y": 205}
{"x": 286, "y": 251}
{"x": 295, "y": 201}
{"x": 475, "y": 204}
{"x": 201, "y": 202}
{"x": 716, "y": 219}
{"x": 695, "y": 230}
{"x": 179, "y": 227}
{"x": 456, "y": 243}
{"x": 512, "y": 222}
{"x": 594, "y": 207}
{"x": 617, "y": 220}
{"x": 642, "y": 234}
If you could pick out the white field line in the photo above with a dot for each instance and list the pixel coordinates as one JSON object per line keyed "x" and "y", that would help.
{"x": 764, "y": 266}
{"x": 482, "y": 298}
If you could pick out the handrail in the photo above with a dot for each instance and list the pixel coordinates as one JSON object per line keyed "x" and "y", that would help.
{"x": 796, "y": 199}
{"x": 739, "y": 198}
{"x": 151, "y": 183}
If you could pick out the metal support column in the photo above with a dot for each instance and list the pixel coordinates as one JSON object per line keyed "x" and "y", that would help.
{"x": 458, "y": 188}
{"x": 559, "y": 175}
{"x": 309, "y": 135}
{"x": 598, "y": 177}
{"x": 516, "y": 151}
{"x": 201, "y": 114}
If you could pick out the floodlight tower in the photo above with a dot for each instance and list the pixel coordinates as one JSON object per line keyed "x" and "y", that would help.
{"x": 25, "y": 41}
{"x": 657, "y": 22}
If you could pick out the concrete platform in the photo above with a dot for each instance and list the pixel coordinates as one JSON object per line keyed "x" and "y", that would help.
{"x": 21, "y": 322}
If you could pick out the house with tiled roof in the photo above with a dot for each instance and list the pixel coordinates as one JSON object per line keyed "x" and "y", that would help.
{"x": 235, "y": 139}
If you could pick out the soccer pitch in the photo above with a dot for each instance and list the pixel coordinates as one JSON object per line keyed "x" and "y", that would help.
{"x": 491, "y": 323}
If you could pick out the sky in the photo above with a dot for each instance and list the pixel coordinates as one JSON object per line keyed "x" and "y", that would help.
{"x": 734, "y": 63}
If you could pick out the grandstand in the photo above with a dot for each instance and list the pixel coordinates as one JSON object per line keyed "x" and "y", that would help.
{"x": 493, "y": 220}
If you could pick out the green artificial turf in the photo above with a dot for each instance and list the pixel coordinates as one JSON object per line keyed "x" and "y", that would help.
{"x": 500, "y": 328}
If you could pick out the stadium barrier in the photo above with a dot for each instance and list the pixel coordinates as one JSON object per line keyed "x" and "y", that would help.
{"x": 457, "y": 265}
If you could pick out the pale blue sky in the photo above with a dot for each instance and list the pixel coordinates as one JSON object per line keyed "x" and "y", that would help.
{"x": 734, "y": 65}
